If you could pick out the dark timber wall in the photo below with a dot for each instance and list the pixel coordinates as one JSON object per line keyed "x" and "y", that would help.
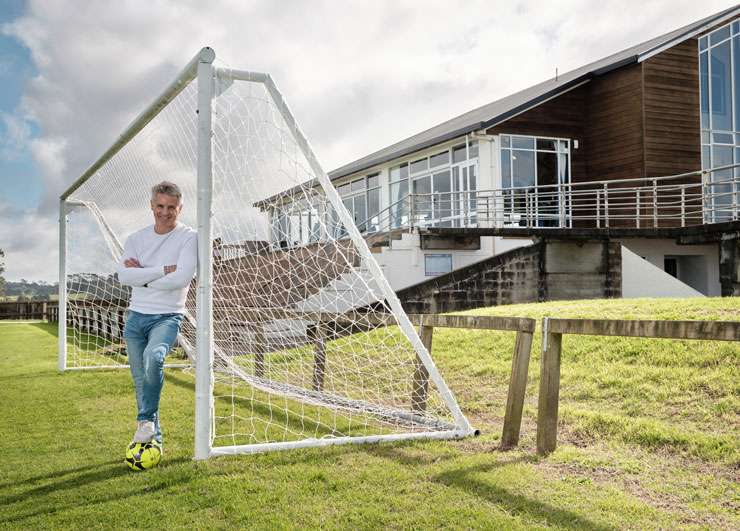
{"x": 614, "y": 132}
{"x": 641, "y": 120}
{"x": 671, "y": 111}
{"x": 543, "y": 271}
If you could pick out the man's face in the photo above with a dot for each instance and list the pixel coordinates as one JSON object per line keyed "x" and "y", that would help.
{"x": 166, "y": 209}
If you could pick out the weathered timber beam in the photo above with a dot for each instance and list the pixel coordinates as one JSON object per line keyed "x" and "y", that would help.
{"x": 716, "y": 330}
{"x": 477, "y": 322}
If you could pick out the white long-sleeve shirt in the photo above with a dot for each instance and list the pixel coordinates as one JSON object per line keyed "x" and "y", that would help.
{"x": 153, "y": 291}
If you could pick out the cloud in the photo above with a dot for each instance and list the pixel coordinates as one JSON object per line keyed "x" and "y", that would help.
{"x": 29, "y": 239}
{"x": 49, "y": 153}
{"x": 15, "y": 138}
{"x": 358, "y": 75}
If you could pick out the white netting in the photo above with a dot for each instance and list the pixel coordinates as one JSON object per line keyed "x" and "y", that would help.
{"x": 306, "y": 346}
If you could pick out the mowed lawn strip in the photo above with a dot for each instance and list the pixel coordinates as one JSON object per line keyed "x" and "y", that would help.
{"x": 648, "y": 439}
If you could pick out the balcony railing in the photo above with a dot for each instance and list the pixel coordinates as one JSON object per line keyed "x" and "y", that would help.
{"x": 696, "y": 198}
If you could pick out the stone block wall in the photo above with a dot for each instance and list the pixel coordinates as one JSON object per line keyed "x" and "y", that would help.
{"x": 547, "y": 270}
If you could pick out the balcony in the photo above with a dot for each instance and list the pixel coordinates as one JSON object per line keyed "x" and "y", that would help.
{"x": 690, "y": 199}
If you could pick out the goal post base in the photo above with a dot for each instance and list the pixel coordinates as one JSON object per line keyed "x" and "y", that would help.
{"x": 107, "y": 367}
{"x": 332, "y": 441}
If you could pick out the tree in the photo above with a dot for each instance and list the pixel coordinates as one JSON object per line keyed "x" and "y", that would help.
{"x": 2, "y": 270}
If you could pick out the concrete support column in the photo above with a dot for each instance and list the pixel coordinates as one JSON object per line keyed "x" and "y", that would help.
{"x": 729, "y": 265}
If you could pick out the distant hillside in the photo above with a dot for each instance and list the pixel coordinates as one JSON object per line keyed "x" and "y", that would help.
{"x": 30, "y": 290}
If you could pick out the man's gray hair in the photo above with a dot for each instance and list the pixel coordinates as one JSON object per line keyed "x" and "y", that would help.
{"x": 167, "y": 188}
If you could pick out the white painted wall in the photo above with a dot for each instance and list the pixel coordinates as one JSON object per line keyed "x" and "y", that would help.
{"x": 641, "y": 278}
{"x": 700, "y": 262}
{"x": 507, "y": 244}
{"x": 403, "y": 262}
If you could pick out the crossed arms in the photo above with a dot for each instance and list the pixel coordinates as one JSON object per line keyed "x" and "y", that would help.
{"x": 164, "y": 277}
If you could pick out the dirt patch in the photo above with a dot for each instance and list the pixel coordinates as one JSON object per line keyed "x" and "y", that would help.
{"x": 660, "y": 481}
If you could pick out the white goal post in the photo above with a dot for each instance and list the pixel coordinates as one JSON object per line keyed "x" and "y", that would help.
{"x": 296, "y": 336}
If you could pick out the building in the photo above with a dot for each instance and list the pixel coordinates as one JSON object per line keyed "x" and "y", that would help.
{"x": 586, "y": 185}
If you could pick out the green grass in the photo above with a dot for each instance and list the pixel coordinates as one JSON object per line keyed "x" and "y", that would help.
{"x": 648, "y": 439}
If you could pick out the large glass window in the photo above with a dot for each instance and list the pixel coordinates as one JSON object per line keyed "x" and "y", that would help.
{"x": 442, "y": 187}
{"x": 361, "y": 197}
{"x": 296, "y": 223}
{"x": 399, "y": 177}
{"x": 530, "y": 164}
{"x": 719, "y": 86}
{"x": 527, "y": 162}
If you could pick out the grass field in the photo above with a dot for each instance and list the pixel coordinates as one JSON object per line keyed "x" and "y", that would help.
{"x": 648, "y": 439}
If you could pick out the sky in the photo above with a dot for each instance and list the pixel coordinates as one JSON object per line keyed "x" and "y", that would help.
{"x": 358, "y": 75}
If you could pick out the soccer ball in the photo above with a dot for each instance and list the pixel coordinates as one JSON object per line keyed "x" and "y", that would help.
{"x": 142, "y": 456}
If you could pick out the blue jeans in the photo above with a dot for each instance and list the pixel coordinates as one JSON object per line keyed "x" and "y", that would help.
{"x": 149, "y": 337}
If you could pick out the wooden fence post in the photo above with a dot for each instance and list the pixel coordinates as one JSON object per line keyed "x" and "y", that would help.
{"x": 517, "y": 388}
{"x": 421, "y": 375}
{"x": 319, "y": 357}
{"x": 547, "y": 407}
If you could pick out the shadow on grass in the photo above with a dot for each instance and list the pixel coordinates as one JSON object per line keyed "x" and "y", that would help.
{"x": 276, "y": 416}
{"x": 35, "y": 375}
{"x": 466, "y": 479}
{"x": 57, "y": 474}
{"x": 409, "y": 453}
{"x": 72, "y": 488}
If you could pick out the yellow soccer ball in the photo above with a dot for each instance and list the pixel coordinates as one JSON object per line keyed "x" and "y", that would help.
{"x": 143, "y": 456}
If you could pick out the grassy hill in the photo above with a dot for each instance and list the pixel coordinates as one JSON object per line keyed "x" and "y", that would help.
{"x": 648, "y": 439}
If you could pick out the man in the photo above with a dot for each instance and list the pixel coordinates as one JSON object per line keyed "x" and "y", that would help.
{"x": 158, "y": 262}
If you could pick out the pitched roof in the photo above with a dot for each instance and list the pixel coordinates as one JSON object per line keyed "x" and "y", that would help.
{"x": 503, "y": 109}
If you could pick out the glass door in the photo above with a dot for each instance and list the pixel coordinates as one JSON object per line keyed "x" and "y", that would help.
{"x": 464, "y": 201}
{"x": 535, "y": 173}
{"x": 442, "y": 199}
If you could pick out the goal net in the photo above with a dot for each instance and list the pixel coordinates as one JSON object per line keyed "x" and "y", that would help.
{"x": 296, "y": 337}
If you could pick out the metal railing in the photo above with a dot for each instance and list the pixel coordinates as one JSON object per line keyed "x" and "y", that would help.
{"x": 695, "y": 198}
{"x": 687, "y": 199}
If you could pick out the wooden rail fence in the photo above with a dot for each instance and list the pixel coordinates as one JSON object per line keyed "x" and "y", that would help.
{"x": 552, "y": 337}
{"x": 22, "y": 310}
{"x": 524, "y": 328}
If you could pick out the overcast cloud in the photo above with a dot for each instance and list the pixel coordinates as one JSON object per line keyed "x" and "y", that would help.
{"x": 358, "y": 75}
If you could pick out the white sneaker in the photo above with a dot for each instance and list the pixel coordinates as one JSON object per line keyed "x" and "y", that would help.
{"x": 144, "y": 432}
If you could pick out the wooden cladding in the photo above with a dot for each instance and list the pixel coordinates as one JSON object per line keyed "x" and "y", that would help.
{"x": 671, "y": 111}
{"x": 614, "y": 125}
{"x": 640, "y": 120}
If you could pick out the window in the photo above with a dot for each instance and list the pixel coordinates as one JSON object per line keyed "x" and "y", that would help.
{"x": 399, "y": 176}
{"x": 531, "y": 161}
{"x": 437, "y": 264}
{"x": 361, "y": 197}
{"x": 440, "y": 159}
{"x": 719, "y": 89}
{"x": 443, "y": 185}
{"x": 373, "y": 203}
{"x": 296, "y": 223}
{"x": 534, "y": 163}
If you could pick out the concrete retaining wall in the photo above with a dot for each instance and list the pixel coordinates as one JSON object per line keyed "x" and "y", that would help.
{"x": 543, "y": 271}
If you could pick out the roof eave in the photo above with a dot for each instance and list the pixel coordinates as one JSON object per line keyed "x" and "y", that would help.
{"x": 678, "y": 39}
{"x": 341, "y": 172}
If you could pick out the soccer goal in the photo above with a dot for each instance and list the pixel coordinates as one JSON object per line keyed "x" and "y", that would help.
{"x": 295, "y": 336}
